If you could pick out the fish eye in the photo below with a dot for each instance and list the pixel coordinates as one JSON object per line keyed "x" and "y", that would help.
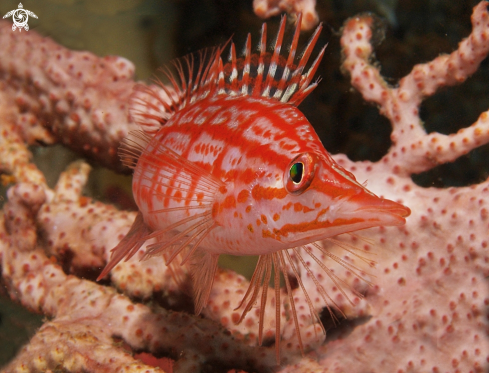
{"x": 296, "y": 172}
{"x": 299, "y": 173}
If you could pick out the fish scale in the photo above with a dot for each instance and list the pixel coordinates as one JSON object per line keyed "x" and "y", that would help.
{"x": 225, "y": 163}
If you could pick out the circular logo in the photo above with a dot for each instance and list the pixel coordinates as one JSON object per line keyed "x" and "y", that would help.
{"x": 20, "y": 17}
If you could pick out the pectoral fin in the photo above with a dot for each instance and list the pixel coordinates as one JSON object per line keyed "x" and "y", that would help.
{"x": 129, "y": 245}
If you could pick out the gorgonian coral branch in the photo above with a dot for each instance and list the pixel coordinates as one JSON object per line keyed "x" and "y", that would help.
{"x": 74, "y": 98}
{"x": 418, "y": 151}
{"x": 269, "y": 8}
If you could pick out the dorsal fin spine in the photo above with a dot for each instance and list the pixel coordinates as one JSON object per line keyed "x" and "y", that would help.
{"x": 247, "y": 68}
{"x": 309, "y": 47}
{"x": 288, "y": 84}
{"x": 273, "y": 62}
{"x": 290, "y": 59}
{"x": 234, "y": 71}
{"x": 198, "y": 81}
{"x": 176, "y": 88}
{"x": 183, "y": 82}
{"x": 261, "y": 63}
{"x": 305, "y": 79}
{"x": 210, "y": 72}
{"x": 190, "y": 86}
{"x": 292, "y": 86}
{"x": 221, "y": 88}
{"x": 166, "y": 105}
{"x": 306, "y": 87}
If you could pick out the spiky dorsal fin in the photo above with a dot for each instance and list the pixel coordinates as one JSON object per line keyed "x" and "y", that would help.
{"x": 271, "y": 74}
{"x": 267, "y": 74}
{"x": 152, "y": 106}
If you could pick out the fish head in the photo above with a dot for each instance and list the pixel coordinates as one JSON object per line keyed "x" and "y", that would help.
{"x": 326, "y": 200}
{"x": 309, "y": 197}
{"x": 288, "y": 191}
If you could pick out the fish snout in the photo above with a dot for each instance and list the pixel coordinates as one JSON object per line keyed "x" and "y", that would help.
{"x": 384, "y": 210}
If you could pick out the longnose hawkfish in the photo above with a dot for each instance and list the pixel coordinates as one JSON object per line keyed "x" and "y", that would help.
{"x": 222, "y": 155}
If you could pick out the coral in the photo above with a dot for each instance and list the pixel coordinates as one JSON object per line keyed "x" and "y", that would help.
{"x": 430, "y": 301}
{"x": 427, "y": 307}
{"x": 268, "y": 8}
{"x": 74, "y": 98}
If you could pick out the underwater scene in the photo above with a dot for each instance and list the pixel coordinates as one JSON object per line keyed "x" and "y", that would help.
{"x": 251, "y": 185}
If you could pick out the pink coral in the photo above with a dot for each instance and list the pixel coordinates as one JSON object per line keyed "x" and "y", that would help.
{"x": 427, "y": 309}
{"x": 268, "y": 8}
{"x": 74, "y": 98}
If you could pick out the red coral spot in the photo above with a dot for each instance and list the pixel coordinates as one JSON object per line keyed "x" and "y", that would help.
{"x": 235, "y": 317}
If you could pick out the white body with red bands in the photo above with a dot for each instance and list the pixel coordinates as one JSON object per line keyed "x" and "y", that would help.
{"x": 225, "y": 163}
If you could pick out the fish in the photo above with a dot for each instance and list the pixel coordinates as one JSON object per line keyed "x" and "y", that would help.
{"x": 225, "y": 163}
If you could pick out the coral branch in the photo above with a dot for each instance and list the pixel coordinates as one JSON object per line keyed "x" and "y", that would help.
{"x": 86, "y": 316}
{"x": 400, "y": 105}
{"x": 269, "y": 8}
{"x": 15, "y": 161}
{"x": 74, "y": 98}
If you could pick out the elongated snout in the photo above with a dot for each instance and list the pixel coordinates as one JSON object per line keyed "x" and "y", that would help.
{"x": 385, "y": 211}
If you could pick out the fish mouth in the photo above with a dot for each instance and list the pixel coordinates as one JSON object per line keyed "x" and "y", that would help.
{"x": 388, "y": 212}
{"x": 393, "y": 208}
{"x": 371, "y": 211}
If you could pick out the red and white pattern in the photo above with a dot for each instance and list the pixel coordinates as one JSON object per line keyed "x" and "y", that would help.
{"x": 225, "y": 163}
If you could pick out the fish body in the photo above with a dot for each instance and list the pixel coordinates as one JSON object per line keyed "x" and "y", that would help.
{"x": 227, "y": 164}
{"x": 248, "y": 145}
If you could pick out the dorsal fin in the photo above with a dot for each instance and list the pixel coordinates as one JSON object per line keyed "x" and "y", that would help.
{"x": 267, "y": 74}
